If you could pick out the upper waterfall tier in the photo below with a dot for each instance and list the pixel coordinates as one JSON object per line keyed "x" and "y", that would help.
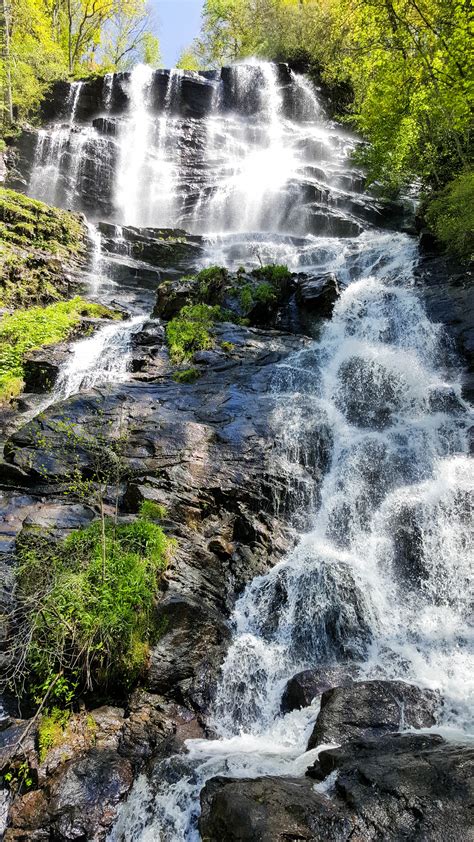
{"x": 245, "y": 149}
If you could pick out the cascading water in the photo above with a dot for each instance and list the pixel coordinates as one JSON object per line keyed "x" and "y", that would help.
{"x": 381, "y": 577}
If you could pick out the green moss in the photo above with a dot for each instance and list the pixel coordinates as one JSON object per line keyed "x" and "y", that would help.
{"x": 27, "y": 330}
{"x": 228, "y": 347}
{"x": 187, "y": 375}
{"x": 26, "y": 221}
{"x": 451, "y": 215}
{"x": 51, "y": 730}
{"x": 190, "y": 330}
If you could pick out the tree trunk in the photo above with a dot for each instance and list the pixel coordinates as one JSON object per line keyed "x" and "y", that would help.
{"x": 7, "y": 61}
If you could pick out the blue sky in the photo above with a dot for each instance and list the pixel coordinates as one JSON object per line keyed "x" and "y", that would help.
{"x": 178, "y": 22}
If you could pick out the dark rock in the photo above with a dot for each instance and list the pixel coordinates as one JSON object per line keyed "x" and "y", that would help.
{"x": 405, "y": 786}
{"x": 161, "y": 247}
{"x": 187, "y": 627}
{"x": 43, "y": 365}
{"x": 105, "y": 125}
{"x": 83, "y": 800}
{"x": 446, "y": 288}
{"x": 319, "y": 294}
{"x": 307, "y": 685}
{"x": 372, "y": 708}
{"x": 269, "y": 810}
{"x": 391, "y": 789}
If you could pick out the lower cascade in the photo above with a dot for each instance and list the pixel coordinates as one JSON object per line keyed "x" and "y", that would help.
{"x": 370, "y": 426}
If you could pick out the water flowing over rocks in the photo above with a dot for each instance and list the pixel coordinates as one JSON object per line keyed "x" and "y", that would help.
{"x": 312, "y": 459}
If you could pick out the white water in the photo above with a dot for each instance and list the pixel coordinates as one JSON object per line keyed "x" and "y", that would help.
{"x": 265, "y": 185}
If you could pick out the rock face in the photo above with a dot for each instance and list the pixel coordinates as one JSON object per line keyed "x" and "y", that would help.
{"x": 448, "y": 294}
{"x": 372, "y": 708}
{"x": 394, "y": 788}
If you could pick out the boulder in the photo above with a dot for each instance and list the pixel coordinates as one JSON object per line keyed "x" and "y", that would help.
{"x": 43, "y": 365}
{"x": 405, "y": 786}
{"x": 269, "y": 810}
{"x": 190, "y": 634}
{"x": 318, "y": 294}
{"x": 372, "y": 708}
{"x": 307, "y": 685}
{"x": 83, "y": 799}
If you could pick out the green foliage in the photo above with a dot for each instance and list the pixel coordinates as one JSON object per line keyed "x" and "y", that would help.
{"x": 451, "y": 215}
{"x": 211, "y": 281}
{"x": 19, "y": 778}
{"x": 246, "y": 297}
{"x": 228, "y": 347}
{"x": 45, "y": 41}
{"x": 150, "y": 510}
{"x": 88, "y": 622}
{"x": 190, "y": 330}
{"x": 26, "y": 330}
{"x": 187, "y": 375}
{"x": 51, "y": 730}
{"x": 188, "y": 60}
{"x": 274, "y": 273}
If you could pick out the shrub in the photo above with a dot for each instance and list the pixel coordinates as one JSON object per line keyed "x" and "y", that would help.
{"x": 211, "y": 280}
{"x": 190, "y": 330}
{"x": 451, "y": 215}
{"x": 274, "y": 273}
{"x": 51, "y": 730}
{"x": 265, "y": 293}
{"x": 187, "y": 375}
{"x": 82, "y": 624}
{"x": 26, "y": 330}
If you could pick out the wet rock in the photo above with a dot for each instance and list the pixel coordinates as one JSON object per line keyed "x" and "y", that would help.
{"x": 392, "y": 788}
{"x": 162, "y": 247}
{"x": 372, "y": 708}
{"x": 105, "y": 125}
{"x": 187, "y": 627}
{"x": 83, "y": 800}
{"x": 404, "y": 786}
{"x": 307, "y": 685}
{"x": 448, "y": 295}
{"x": 319, "y": 294}
{"x": 269, "y": 810}
{"x": 42, "y": 367}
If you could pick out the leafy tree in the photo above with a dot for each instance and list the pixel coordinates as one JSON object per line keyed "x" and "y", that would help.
{"x": 188, "y": 60}
{"x": 128, "y": 39}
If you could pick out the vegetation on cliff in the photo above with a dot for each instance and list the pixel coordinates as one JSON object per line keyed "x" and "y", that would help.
{"x": 85, "y": 607}
{"x": 39, "y": 245}
{"x": 26, "y": 330}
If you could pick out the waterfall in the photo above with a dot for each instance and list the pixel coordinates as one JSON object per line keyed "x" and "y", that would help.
{"x": 380, "y": 578}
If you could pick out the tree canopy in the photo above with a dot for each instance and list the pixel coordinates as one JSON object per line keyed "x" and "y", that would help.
{"x": 43, "y": 41}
